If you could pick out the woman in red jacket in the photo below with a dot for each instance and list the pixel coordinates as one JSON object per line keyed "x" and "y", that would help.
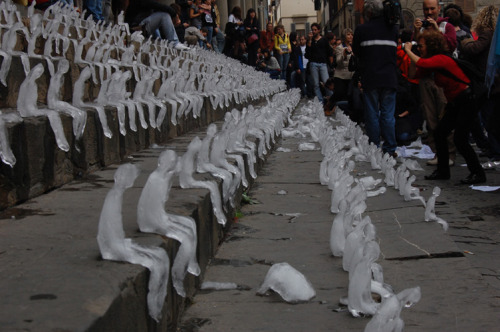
{"x": 460, "y": 111}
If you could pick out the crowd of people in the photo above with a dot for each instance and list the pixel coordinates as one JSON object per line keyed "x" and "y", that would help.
{"x": 396, "y": 83}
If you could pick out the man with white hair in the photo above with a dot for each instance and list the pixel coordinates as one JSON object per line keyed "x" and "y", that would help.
{"x": 375, "y": 44}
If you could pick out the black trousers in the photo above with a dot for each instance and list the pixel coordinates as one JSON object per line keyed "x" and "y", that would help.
{"x": 459, "y": 115}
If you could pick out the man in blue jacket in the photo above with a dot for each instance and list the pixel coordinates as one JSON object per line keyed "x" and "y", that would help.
{"x": 375, "y": 44}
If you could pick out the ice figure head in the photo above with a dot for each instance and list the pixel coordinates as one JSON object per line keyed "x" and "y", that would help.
{"x": 436, "y": 191}
{"x": 167, "y": 161}
{"x": 36, "y": 72}
{"x": 410, "y": 296}
{"x": 212, "y": 130}
{"x": 125, "y": 176}
{"x": 289, "y": 283}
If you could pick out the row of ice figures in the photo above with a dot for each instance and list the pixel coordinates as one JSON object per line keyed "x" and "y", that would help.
{"x": 211, "y": 154}
{"x": 353, "y": 237}
{"x": 164, "y": 76}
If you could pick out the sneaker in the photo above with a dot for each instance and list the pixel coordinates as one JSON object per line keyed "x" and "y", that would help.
{"x": 181, "y": 47}
{"x": 432, "y": 162}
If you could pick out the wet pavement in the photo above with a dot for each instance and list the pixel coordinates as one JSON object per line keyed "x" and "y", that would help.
{"x": 458, "y": 271}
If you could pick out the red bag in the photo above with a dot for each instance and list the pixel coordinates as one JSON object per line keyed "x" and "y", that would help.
{"x": 253, "y": 38}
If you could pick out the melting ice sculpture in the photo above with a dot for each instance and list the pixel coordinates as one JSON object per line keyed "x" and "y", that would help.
{"x": 410, "y": 192}
{"x": 430, "y": 212}
{"x": 289, "y": 283}
{"x": 186, "y": 180}
{"x": 5, "y": 151}
{"x": 79, "y": 92}
{"x": 387, "y": 318}
{"x": 54, "y": 99}
{"x": 27, "y": 105}
{"x": 204, "y": 165}
{"x": 355, "y": 241}
{"x": 114, "y": 246}
{"x": 359, "y": 296}
{"x": 9, "y": 41}
{"x": 152, "y": 217}
{"x": 337, "y": 232}
{"x": 218, "y": 157}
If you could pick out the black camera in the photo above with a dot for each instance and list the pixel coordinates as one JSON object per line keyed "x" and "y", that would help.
{"x": 425, "y": 23}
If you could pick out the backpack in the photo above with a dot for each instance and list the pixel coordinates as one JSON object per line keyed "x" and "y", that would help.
{"x": 392, "y": 12}
{"x": 476, "y": 77}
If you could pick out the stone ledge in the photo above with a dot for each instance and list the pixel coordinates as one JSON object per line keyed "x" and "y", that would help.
{"x": 75, "y": 289}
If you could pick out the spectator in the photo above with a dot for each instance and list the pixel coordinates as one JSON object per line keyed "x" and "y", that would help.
{"x": 149, "y": 16}
{"x": 460, "y": 110}
{"x": 207, "y": 19}
{"x": 269, "y": 64}
{"x": 218, "y": 41}
{"x": 193, "y": 36}
{"x": 94, "y": 8}
{"x": 374, "y": 45}
{"x": 296, "y": 65}
{"x": 320, "y": 55}
{"x": 307, "y": 91}
{"x": 234, "y": 30}
{"x": 282, "y": 49}
{"x": 477, "y": 51}
{"x": 454, "y": 19}
{"x": 185, "y": 7}
{"x": 332, "y": 40}
{"x": 342, "y": 76}
{"x": 267, "y": 38}
{"x": 432, "y": 99}
{"x": 252, "y": 34}
{"x": 180, "y": 29}
{"x": 195, "y": 14}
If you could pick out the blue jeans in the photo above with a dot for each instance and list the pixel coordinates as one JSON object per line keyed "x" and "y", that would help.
{"x": 283, "y": 61}
{"x": 379, "y": 117}
{"x": 94, "y": 7}
{"x": 319, "y": 71}
{"x": 163, "y": 22}
{"x": 219, "y": 40}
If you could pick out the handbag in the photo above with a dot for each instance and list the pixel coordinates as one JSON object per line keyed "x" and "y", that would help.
{"x": 253, "y": 38}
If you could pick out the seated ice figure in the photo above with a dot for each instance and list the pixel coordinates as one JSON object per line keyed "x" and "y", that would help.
{"x": 9, "y": 41}
{"x": 114, "y": 246}
{"x": 359, "y": 296}
{"x": 337, "y": 232}
{"x": 152, "y": 217}
{"x": 229, "y": 186}
{"x": 78, "y": 94}
{"x": 410, "y": 192}
{"x": 387, "y": 318}
{"x": 5, "y": 150}
{"x": 27, "y": 106}
{"x": 355, "y": 241}
{"x": 54, "y": 99}
{"x": 186, "y": 180}
{"x": 289, "y": 283}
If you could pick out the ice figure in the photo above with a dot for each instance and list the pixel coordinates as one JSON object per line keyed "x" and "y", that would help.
{"x": 337, "y": 232}
{"x": 387, "y": 318}
{"x": 379, "y": 191}
{"x": 27, "y": 105}
{"x": 114, "y": 246}
{"x": 289, "y": 283}
{"x": 430, "y": 212}
{"x": 78, "y": 94}
{"x": 152, "y": 217}
{"x": 54, "y": 99}
{"x": 410, "y": 192}
{"x": 369, "y": 182}
{"x": 218, "y": 157}
{"x": 359, "y": 296}
{"x": 402, "y": 179}
{"x": 412, "y": 164}
{"x": 186, "y": 180}
{"x": 204, "y": 165}
{"x": 236, "y": 143}
{"x": 143, "y": 95}
{"x": 354, "y": 243}
{"x": 339, "y": 191}
{"x": 9, "y": 41}
{"x": 5, "y": 151}
{"x": 117, "y": 93}
{"x": 398, "y": 174}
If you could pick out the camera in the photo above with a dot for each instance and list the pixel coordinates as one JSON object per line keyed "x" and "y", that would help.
{"x": 425, "y": 23}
